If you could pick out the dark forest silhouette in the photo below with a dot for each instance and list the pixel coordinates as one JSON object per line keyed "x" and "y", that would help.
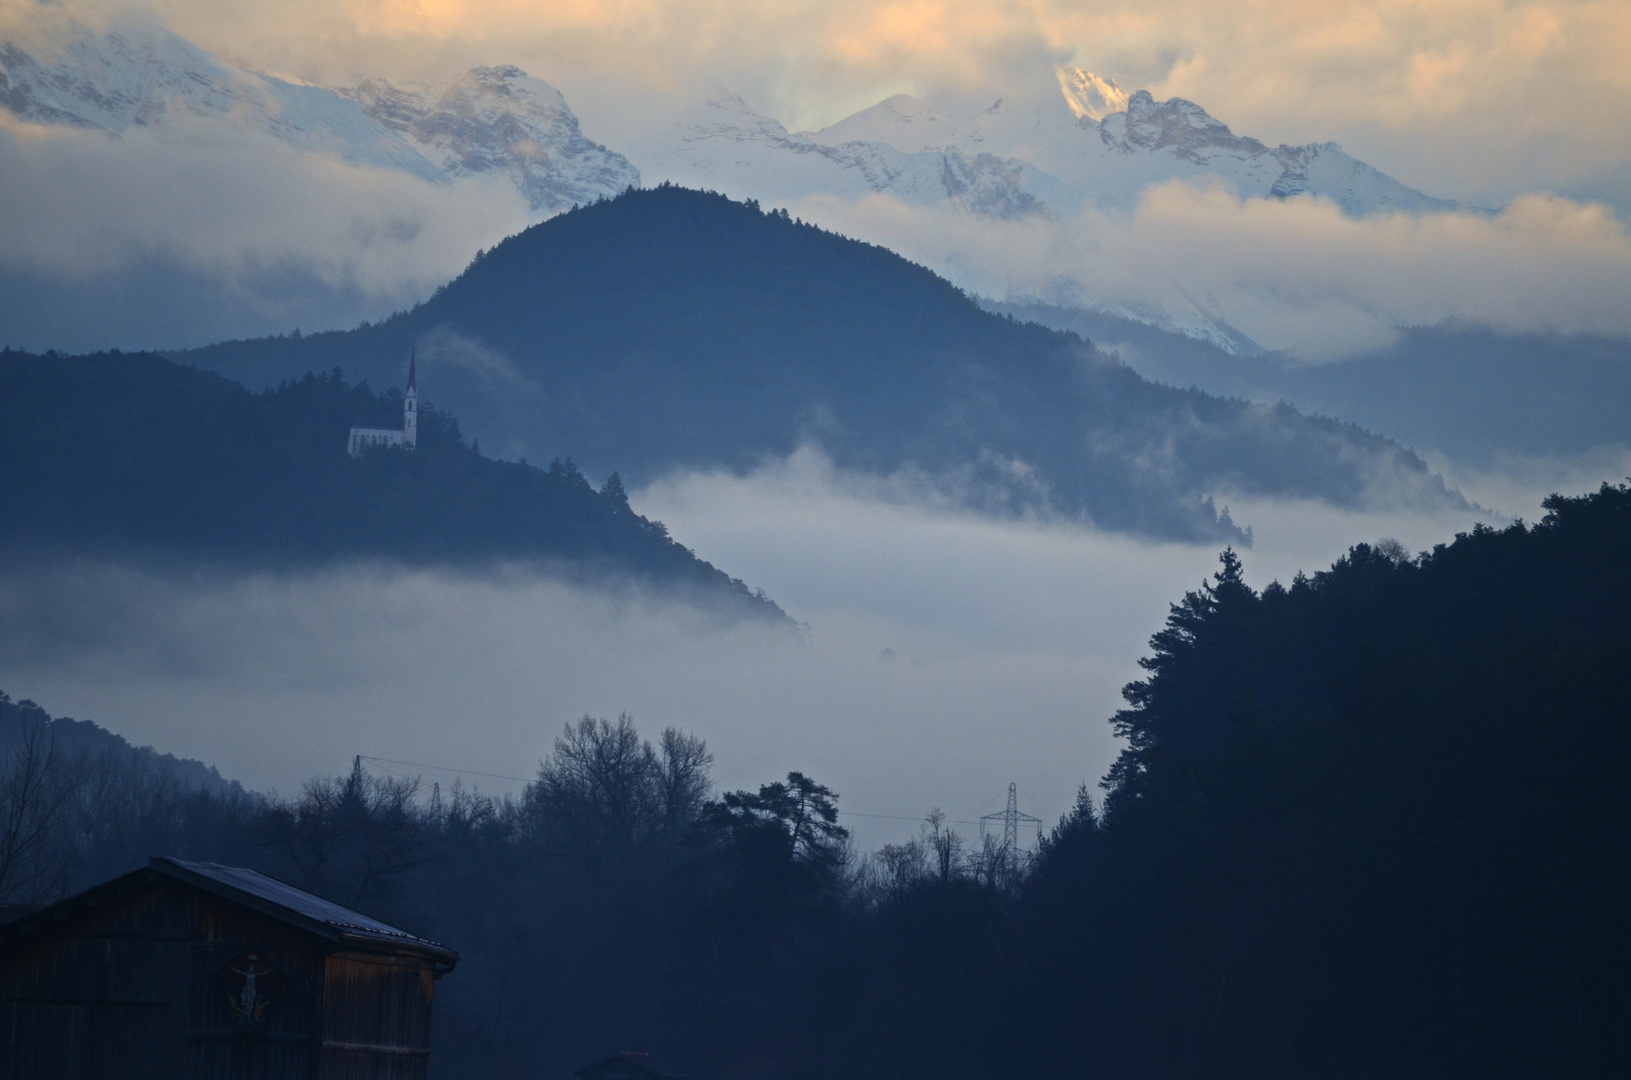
{"x": 1373, "y": 823}
{"x": 133, "y": 456}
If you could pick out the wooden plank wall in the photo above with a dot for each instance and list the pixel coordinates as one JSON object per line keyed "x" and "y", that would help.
{"x": 376, "y": 1017}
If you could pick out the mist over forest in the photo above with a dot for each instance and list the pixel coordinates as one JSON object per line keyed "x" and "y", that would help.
{"x": 621, "y": 894}
{"x": 737, "y": 540}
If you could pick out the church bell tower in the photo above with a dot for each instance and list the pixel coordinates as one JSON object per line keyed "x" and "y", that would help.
{"x": 410, "y": 407}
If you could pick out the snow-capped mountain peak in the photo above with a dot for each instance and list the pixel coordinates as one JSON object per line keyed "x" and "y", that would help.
{"x": 1180, "y": 127}
{"x": 1088, "y": 95}
{"x": 500, "y": 119}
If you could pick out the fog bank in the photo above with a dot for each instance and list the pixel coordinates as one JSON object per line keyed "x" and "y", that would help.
{"x": 945, "y": 654}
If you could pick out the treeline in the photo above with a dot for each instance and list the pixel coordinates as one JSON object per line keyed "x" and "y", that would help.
{"x": 1373, "y": 823}
{"x": 616, "y": 902}
{"x": 131, "y": 455}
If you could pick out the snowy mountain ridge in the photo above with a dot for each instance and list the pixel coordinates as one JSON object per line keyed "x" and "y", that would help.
{"x": 725, "y": 143}
{"x": 59, "y": 71}
{"x": 1080, "y": 141}
{"x": 500, "y": 119}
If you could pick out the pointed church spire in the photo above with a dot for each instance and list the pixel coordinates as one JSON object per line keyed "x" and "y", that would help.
{"x": 410, "y": 404}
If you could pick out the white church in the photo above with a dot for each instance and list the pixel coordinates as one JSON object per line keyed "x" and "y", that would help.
{"x": 365, "y": 438}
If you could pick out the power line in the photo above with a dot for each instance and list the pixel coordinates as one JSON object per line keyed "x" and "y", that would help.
{"x": 444, "y": 768}
{"x": 528, "y": 780}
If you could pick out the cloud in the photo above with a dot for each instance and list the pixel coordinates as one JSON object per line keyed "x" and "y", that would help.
{"x": 244, "y": 211}
{"x": 1515, "y": 484}
{"x": 1294, "y": 274}
{"x": 1011, "y": 642}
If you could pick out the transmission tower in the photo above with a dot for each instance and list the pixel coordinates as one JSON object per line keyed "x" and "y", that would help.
{"x": 1011, "y": 819}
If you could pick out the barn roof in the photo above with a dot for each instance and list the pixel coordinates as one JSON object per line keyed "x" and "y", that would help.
{"x": 273, "y": 897}
{"x": 256, "y": 891}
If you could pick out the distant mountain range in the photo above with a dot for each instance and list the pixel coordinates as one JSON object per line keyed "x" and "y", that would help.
{"x": 489, "y": 120}
{"x": 670, "y": 328}
{"x": 1074, "y": 140}
{"x": 1082, "y": 142}
{"x": 1465, "y": 391}
{"x": 1078, "y": 140}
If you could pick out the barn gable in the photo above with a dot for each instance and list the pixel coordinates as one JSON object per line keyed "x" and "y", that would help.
{"x": 199, "y": 970}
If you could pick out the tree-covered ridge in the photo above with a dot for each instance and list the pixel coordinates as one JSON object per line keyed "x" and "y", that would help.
{"x": 131, "y": 454}
{"x": 674, "y": 328}
{"x": 1373, "y": 824}
{"x": 1226, "y": 648}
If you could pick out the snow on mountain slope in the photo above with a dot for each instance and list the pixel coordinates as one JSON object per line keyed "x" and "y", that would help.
{"x": 1182, "y": 137}
{"x": 137, "y": 74}
{"x": 1079, "y": 141}
{"x": 501, "y": 119}
{"x": 902, "y": 122}
{"x": 57, "y": 70}
{"x": 1089, "y": 95}
{"x": 726, "y": 145}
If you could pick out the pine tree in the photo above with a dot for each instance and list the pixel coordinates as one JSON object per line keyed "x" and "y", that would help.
{"x": 612, "y": 489}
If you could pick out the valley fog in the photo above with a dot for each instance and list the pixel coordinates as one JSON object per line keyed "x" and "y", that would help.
{"x": 943, "y": 654}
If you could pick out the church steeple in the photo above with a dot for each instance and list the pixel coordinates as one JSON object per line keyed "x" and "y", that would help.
{"x": 410, "y": 405}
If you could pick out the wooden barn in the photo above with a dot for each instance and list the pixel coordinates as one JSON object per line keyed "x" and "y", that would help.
{"x": 193, "y": 971}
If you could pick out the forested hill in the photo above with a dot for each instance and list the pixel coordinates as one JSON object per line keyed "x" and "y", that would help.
{"x": 68, "y": 741}
{"x": 1373, "y": 824}
{"x": 671, "y": 327}
{"x": 134, "y": 455}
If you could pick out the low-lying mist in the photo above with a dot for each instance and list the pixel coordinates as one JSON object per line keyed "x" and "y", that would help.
{"x": 945, "y": 654}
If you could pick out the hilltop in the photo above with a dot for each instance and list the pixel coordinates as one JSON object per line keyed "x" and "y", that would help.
{"x": 672, "y": 328}
{"x": 132, "y": 455}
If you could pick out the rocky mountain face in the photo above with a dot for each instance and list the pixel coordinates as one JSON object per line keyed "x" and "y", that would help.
{"x": 500, "y": 119}
{"x": 59, "y": 71}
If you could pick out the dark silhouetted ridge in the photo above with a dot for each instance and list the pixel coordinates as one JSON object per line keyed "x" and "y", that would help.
{"x": 120, "y": 455}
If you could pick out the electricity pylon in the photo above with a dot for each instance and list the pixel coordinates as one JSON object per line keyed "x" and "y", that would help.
{"x": 1010, "y": 819}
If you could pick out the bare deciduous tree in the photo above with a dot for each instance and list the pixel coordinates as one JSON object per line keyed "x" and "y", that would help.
{"x": 33, "y": 794}
{"x": 605, "y": 792}
{"x": 347, "y": 838}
